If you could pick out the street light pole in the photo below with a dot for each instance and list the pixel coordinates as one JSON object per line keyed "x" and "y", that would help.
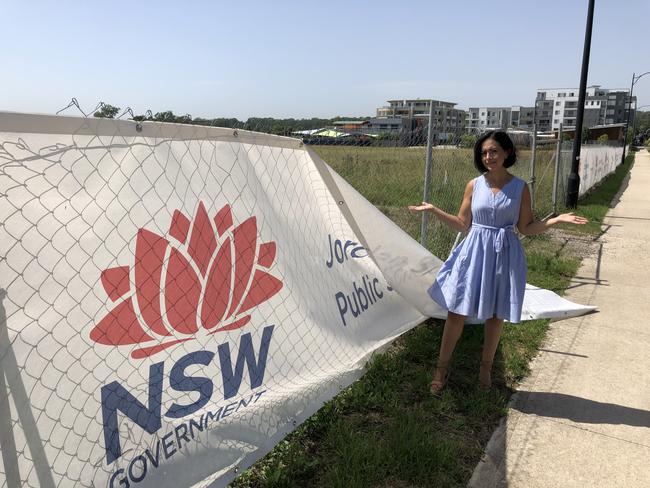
{"x": 629, "y": 109}
{"x": 573, "y": 184}
{"x": 636, "y": 110}
{"x": 627, "y": 122}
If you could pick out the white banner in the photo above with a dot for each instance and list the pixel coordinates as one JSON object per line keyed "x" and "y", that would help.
{"x": 177, "y": 299}
{"x": 596, "y": 162}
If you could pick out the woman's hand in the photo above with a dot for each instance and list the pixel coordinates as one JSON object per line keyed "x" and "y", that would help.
{"x": 569, "y": 218}
{"x": 420, "y": 208}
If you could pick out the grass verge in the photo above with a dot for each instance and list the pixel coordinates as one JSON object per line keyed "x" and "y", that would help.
{"x": 386, "y": 430}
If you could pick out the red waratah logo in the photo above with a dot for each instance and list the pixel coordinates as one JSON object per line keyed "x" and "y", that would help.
{"x": 182, "y": 287}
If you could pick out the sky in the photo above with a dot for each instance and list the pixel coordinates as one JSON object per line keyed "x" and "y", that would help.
{"x": 306, "y": 58}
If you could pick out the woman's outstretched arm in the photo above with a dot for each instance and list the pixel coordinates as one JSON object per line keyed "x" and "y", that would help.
{"x": 460, "y": 222}
{"x": 527, "y": 224}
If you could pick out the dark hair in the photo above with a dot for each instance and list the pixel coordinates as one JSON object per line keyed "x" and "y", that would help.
{"x": 503, "y": 140}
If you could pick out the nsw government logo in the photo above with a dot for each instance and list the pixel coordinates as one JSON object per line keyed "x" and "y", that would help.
{"x": 206, "y": 278}
{"x": 198, "y": 284}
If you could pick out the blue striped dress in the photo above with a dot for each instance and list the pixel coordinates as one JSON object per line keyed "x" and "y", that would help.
{"x": 486, "y": 273}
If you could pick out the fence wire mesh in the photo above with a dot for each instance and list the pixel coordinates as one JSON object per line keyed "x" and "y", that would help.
{"x": 385, "y": 160}
{"x": 393, "y": 177}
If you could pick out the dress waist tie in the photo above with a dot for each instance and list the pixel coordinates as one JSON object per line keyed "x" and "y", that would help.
{"x": 501, "y": 234}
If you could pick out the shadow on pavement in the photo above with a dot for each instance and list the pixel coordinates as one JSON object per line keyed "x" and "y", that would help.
{"x": 559, "y": 405}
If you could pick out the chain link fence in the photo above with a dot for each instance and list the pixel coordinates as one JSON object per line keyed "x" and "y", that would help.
{"x": 387, "y": 162}
{"x": 392, "y": 176}
{"x": 390, "y": 173}
{"x": 104, "y": 265}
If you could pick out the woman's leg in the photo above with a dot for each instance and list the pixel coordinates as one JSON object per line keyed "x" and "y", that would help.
{"x": 493, "y": 328}
{"x": 450, "y": 335}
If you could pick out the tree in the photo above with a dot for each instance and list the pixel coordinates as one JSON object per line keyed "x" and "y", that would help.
{"x": 166, "y": 116}
{"x": 468, "y": 140}
{"x": 603, "y": 140}
{"x": 107, "y": 111}
{"x": 642, "y": 123}
{"x": 184, "y": 119}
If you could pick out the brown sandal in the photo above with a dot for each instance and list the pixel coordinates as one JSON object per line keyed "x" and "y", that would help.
{"x": 437, "y": 386}
{"x": 485, "y": 385}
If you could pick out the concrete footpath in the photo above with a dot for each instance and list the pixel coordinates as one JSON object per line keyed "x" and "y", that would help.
{"x": 582, "y": 418}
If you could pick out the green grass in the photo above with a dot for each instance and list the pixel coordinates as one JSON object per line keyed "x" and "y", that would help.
{"x": 386, "y": 430}
{"x": 549, "y": 265}
{"x": 394, "y": 176}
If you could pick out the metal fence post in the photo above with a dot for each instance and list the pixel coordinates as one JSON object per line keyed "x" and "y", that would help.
{"x": 532, "y": 169}
{"x": 427, "y": 178}
{"x": 556, "y": 175}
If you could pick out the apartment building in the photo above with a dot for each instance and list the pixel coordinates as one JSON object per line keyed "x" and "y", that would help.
{"x": 522, "y": 117}
{"x": 555, "y": 106}
{"x": 446, "y": 118}
{"x": 480, "y": 119}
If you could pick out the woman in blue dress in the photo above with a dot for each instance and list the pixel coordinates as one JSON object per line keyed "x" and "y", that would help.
{"x": 485, "y": 276}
